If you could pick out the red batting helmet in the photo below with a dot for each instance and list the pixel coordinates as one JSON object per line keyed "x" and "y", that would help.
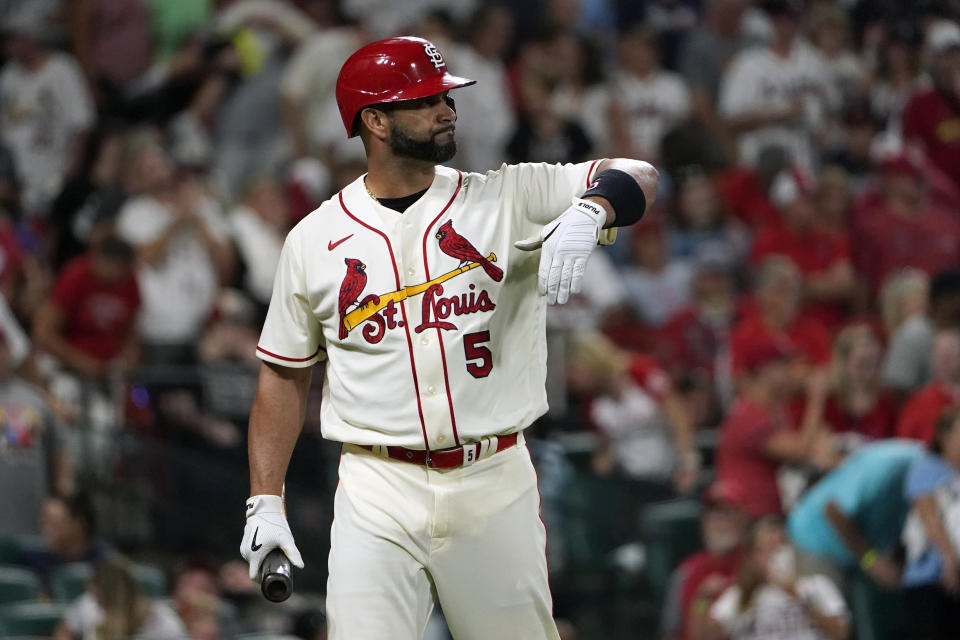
{"x": 391, "y": 70}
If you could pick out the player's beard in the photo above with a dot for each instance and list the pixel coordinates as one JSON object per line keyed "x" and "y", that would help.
{"x": 427, "y": 150}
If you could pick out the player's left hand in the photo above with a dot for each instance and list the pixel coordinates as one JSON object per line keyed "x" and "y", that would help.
{"x": 565, "y": 246}
{"x": 266, "y": 530}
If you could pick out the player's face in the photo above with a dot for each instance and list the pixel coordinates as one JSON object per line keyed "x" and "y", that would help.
{"x": 424, "y": 129}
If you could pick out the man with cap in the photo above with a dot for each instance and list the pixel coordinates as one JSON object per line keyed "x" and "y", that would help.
{"x": 418, "y": 285}
{"x": 823, "y": 258}
{"x": 931, "y": 119}
{"x": 702, "y": 577}
{"x": 756, "y": 438}
{"x": 903, "y": 225}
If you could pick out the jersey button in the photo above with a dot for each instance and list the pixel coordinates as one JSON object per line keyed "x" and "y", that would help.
{"x": 431, "y": 389}
{"x": 424, "y": 340}
{"x": 411, "y": 272}
{"x": 441, "y": 438}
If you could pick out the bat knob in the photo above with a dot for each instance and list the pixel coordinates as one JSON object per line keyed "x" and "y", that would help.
{"x": 276, "y": 584}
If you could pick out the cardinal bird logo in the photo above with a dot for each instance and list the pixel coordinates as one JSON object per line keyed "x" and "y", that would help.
{"x": 350, "y": 289}
{"x": 456, "y": 246}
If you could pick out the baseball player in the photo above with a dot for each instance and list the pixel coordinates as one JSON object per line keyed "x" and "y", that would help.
{"x": 420, "y": 287}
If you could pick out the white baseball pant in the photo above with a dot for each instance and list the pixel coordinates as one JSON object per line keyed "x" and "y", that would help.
{"x": 471, "y": 537}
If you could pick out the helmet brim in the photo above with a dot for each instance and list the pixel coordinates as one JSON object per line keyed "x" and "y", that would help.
{"x": 424, "y": 89}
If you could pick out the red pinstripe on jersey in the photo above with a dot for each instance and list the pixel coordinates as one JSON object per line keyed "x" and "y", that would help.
{"x": 278, "y": 356}
{"x": 426, "y": 269}
{"x": 593, "y": 165}
{"x": 406, "y": 325}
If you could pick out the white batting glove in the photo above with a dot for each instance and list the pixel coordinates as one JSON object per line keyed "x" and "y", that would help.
{"x": 565, "y": 245}
{"x": 266, "y": 530}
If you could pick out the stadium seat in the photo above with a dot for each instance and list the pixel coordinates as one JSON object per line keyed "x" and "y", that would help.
{"x": 69, "y": 581}
{"x": 151, "y": 579}
{"x": 670, "y": 531}
{"x": 10, "y": 550}
{"x": 18, "y": 584}
{"x": 30, "y": 618}
{"x": 13, "y": 549}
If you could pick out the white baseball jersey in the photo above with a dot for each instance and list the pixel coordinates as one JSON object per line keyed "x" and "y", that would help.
{"x": 430, "y": 320}
{"x": 40, "y": 113}
{"x": 759, "y": 81}
{"x": 654, "y": 105}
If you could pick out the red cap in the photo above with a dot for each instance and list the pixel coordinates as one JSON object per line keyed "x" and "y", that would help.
{"x": 391, "y": 70}
{"x": 765, "y": 350}
{"x": 904, "y": 165}
{"x": 723, "y": 494}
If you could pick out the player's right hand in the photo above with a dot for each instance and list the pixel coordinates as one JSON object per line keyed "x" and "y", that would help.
{"x": 565, "y": 245}
{"x": 266, "y": 530}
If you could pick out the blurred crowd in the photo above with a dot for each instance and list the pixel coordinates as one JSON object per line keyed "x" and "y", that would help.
{"x": 794, "y": 293}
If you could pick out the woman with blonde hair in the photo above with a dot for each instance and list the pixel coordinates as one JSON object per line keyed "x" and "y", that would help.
{"x": 645, "y": 428}
{"x": 115, "y": 608}
{"x": 904, "y": 301}
{"x": 850, "y": 399}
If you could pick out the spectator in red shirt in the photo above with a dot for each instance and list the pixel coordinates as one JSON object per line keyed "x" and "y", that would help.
{"x": 776, "y": 316}
{"x": 823, "y": 258}
{"x": 645, "y": 429}
{"x": 744, "y": 190}
{"x": 853, "y": 402}
{"x": 904, "y": 228}
{"x": 694, "y": 340}
{"x": 756, "y": 438}
{"x": 89, "y": 321}
{"x": 700, "y": 578}
{"x": 919, "y": 417}
{"x": 931, "y": 119}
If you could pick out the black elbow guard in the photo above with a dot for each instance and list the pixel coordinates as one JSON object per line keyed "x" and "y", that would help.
{"x": 624, "y": 194}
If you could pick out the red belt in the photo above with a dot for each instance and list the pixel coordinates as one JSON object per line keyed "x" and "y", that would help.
{"x": 444, "y": 458}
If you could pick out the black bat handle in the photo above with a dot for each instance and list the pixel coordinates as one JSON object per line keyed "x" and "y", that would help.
{"x": 275, "y": 582}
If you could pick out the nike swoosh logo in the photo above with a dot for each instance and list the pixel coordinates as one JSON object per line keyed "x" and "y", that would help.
{"x": 253, "y": 545}
{"x": 249, "y": 505}
{"x": 333, "y": 245}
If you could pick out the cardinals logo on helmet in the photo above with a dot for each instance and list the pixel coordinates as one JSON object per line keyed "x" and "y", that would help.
{"x": 456, "y": 246}
{"x": 434, "y": 54}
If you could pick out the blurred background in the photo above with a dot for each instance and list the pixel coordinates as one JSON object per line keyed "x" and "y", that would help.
{"x": 751, "y": 431}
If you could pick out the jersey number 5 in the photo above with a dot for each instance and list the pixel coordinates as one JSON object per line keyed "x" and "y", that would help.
{"x": 472, "y": 347}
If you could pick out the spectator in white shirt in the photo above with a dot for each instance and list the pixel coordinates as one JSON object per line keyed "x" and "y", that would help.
{"x": 650, "y": 100}
{"x": 182, "y": 243}
{"x": 260, "y": 224}
{"x": 485, "y": 113}
{"x": 114, "y": 608}
{"x": 45, "y": 111}
{"x": 779, "y": 94}
{"x": 657, "y": 286}
{"x": 769, "y": 601}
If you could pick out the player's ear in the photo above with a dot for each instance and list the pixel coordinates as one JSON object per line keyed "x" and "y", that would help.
{"x": 376, "y": 122}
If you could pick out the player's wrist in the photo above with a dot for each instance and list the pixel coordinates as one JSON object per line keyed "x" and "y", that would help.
{"x": 264, "y": 503}
{"x": 609, "y": 216}
{"x": 593, "y": 209}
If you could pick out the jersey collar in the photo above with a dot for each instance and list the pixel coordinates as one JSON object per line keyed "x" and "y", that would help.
{"x": 364, "y": 207}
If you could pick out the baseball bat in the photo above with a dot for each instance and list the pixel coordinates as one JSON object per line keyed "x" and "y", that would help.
{"x": 362, "y": 314}
{"x": 276, "y": 584}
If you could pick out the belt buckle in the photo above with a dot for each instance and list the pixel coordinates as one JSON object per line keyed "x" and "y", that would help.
{"x": 428, "y": 460}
